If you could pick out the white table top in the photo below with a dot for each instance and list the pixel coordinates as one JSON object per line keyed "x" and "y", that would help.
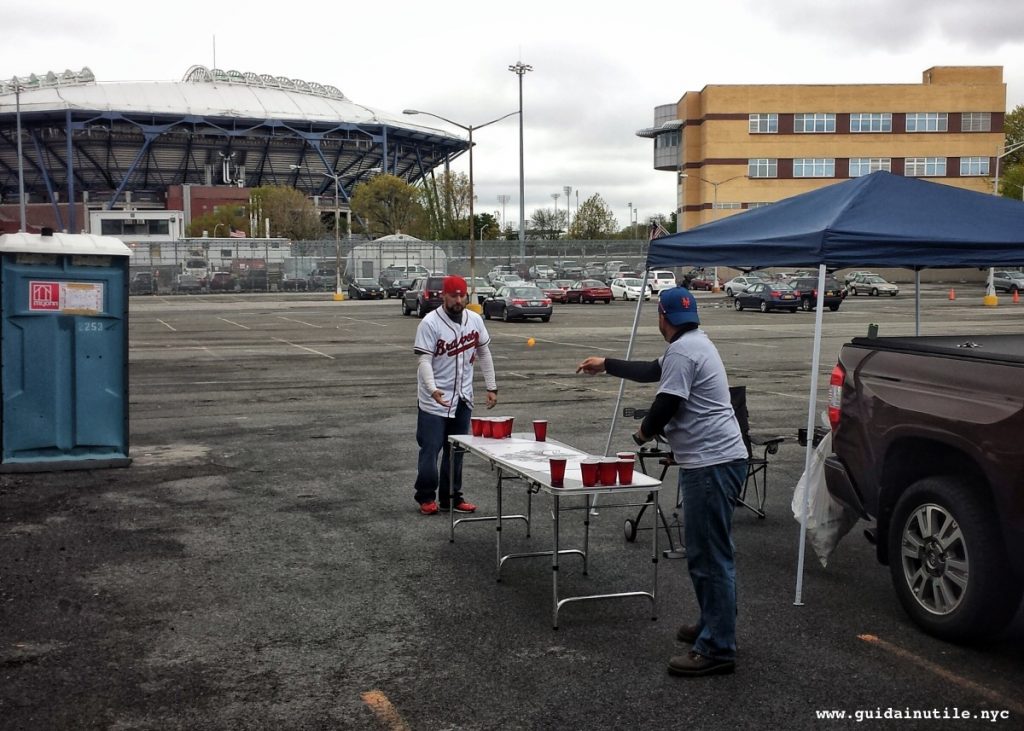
{"x": 528, "y": 458}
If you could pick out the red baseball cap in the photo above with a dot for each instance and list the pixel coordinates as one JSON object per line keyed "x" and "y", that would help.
{"x": 454, "y": 284}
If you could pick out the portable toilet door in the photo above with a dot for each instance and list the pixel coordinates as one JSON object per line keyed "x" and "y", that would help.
{"x": 64, "y": 327}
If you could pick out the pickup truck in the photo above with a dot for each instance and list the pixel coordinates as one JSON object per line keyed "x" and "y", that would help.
{"x": 927, "y": 443}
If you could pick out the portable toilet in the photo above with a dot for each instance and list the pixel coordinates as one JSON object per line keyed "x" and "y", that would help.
{"x": 64, "y": 328}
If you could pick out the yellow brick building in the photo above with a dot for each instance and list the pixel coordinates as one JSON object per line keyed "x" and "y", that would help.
{"x": 735, "y": 147}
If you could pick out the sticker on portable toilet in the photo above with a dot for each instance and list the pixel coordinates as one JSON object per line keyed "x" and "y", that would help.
{"x": 72, "y": 298}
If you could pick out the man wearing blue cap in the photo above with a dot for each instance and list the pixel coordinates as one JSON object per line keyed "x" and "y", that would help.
{"x": 693, "y": 411}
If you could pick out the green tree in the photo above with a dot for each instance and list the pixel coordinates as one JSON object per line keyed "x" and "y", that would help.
{"x": 594, "y": 220}
{"x": 388, "y": 205}
{"x": 291, "y": 214}
{"x": 446, "y": 200}
{"x": 486, "y": 226}
{"x": 547, "y": 223}
{"x": 1011, "y": 167}
{"x": 220, "y": 221}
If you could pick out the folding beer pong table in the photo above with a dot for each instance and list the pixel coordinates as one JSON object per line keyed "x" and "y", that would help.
{"x": 522, "y": 457}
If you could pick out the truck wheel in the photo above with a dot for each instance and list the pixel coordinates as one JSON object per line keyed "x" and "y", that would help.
{"x": 405, "y": 309}
{"x": 948, "y": 563}
{"x": 421, "y": 311}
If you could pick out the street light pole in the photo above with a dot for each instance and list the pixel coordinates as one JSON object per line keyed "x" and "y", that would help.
{"x": 554, "y": 197}
{"x": 714, "y": 208}
{"x": 568, "y": 208}
{"x": 21, "y": 166}
{"x": 336, "y": 177}
{"x": 519, "y": 69}
{"x": 472, "y": 241}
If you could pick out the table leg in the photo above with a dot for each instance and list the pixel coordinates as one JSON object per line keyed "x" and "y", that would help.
{"x": 451, "y": 483}
{"x": 554, "y": 565}
{"x": 591, "y": 501}
{"x": 654, "y": 553}
{"x": 498, "y": 531}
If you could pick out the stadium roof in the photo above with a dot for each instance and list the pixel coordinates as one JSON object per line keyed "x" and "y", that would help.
{"x": 213, "y": 127}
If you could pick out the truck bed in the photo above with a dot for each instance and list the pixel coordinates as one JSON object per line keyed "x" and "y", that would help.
{"x": 1001, "y": 348}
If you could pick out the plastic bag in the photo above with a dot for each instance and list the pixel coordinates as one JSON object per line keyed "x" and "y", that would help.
{"x": 828, "y": 520}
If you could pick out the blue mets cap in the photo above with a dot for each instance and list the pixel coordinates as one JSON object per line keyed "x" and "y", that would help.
{"x": 678, "y": 306}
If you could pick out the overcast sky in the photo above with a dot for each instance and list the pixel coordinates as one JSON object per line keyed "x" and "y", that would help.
{"x": 598, "y": 70}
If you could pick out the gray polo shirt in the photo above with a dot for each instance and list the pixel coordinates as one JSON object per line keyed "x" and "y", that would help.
{"x": 704, "y": 431}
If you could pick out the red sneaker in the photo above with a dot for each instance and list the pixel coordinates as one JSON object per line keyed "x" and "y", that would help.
{"x": 463, "y": 507}
{"x": 428, "y": 508}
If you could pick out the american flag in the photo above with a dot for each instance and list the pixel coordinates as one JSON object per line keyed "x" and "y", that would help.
{"x": 657, "y": 230}
{"x": 236, "y": 233}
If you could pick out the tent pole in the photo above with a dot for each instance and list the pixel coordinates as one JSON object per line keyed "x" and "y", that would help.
{"x": 622, "y": 381}
{"x": 811, "y": 407}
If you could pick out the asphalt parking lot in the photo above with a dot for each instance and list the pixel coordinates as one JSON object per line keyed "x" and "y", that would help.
{"x": 261, "y": 564}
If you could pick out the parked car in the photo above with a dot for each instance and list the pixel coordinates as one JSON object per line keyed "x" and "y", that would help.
{"x": 481, "y": 287}
{"x": 518, "y": 303}
{"x": 661, "y": 280}
{"x": 569, "y": 270}
{"x": 589, "y": 290}
{"x": 423, "y": 296}
{"x": 394, "y": 272}
{"x": 542, "y": 271}
{"x": 500, "y": 280}
{"x": 1008, "y": 281}
{"x": 850, "y": 276}
{"x": 767, "y": 296}
{"x": 551, "y": 290}
{"x": 293, "y": 283}
{"x": 806, "y": 289}
{"x": 872, "y": 285}
{"x": 222, "y": 282}
{"x": 629, "y": 288}
{"x": 322, "y": 278}
{"x": 396, "y": 288}
{"x": 500, "y": 271}
{"x": 142, "y": 283}
{"x": 365, "y": 288}
{"x": 739, "y": 284}
{"x": 701, "y": 279}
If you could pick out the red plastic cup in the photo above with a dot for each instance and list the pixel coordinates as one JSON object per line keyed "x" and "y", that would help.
{"x": 508, "y": 426}
{"x": 631, "y": 456}
{"x": 486, "y": 426}
{"x": 588, "y": 470}
{"x": 607, "y": 470}
{"x": 540, "y": 429}
{"x": 625, "y": 468}
{"x": 557, "y": 471}
{"x": 477, "y": 424}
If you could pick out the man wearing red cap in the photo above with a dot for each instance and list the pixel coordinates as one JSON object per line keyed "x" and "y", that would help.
{"x": 449, "y": 341}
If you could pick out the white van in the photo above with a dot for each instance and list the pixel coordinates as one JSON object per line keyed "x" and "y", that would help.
{"x": 661, "y": 280}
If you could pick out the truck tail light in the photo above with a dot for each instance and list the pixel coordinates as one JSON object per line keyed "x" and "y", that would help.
{"x": 835, "y": 395}
{"x": 430, "y": 294}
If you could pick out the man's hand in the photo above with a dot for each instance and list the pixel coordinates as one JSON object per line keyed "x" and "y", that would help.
{"x": 591, "y": 366}
{"x": 438, "y": 396}
{"x": 492, "y": 399}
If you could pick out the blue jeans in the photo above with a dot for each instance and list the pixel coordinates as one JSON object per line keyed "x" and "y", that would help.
{"x": 432, "y": 435}
{"x": 709, "y": 495}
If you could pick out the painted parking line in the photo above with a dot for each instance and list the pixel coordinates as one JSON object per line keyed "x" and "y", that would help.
{"x": 371, "y": 322}
{"x": 556, "y": 342}
{"x": 236, "y": 324}
{"x": 172, "y": 329}
{"x": 385, "y": 712}
{"x": 579, "y": 386}
{"x": 301, "y": 322}
{"x": 303, "y": 347}
{"x": 1000, "y": 700}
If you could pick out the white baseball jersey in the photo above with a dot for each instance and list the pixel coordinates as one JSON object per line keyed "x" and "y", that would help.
{"x": 453, "y": 347}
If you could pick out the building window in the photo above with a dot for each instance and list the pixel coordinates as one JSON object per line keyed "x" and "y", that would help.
{"x": 814, "y": 167}
{"x": 728, "y": 206}
{"x": 764, "y": 123}
{"x": 758, "y": 204}
{"x": 927, "y": 122}
{"x": 669, "y": 139}
{"x": 973, "y": 166}
{"x": 863, "y": 165}
{"x": 921, "y": 167}
{"x": 871, "y": 122}
{"x": 763, "y": 167}
{"x": 814, "y": 123}
{"x": 976, "y": 122}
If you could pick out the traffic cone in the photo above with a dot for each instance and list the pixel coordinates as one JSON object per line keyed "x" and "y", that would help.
{"x": 952, "y": 294}
{"x": 1016, "y": 297}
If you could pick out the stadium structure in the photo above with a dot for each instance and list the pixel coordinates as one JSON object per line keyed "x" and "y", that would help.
{"x": 88, "y": 145}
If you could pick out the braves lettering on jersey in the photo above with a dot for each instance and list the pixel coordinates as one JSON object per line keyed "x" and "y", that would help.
{"x": 453, "y": 347}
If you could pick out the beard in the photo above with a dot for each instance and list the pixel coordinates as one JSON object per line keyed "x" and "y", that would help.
{"x": 454, "y": 310}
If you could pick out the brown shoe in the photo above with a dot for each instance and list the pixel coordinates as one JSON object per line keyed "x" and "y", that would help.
{"x": 693, "y": 665}
{"x": 688, "y": 633}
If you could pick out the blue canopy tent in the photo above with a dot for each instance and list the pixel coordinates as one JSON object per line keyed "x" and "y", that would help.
{"x": 876, "y": 220}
